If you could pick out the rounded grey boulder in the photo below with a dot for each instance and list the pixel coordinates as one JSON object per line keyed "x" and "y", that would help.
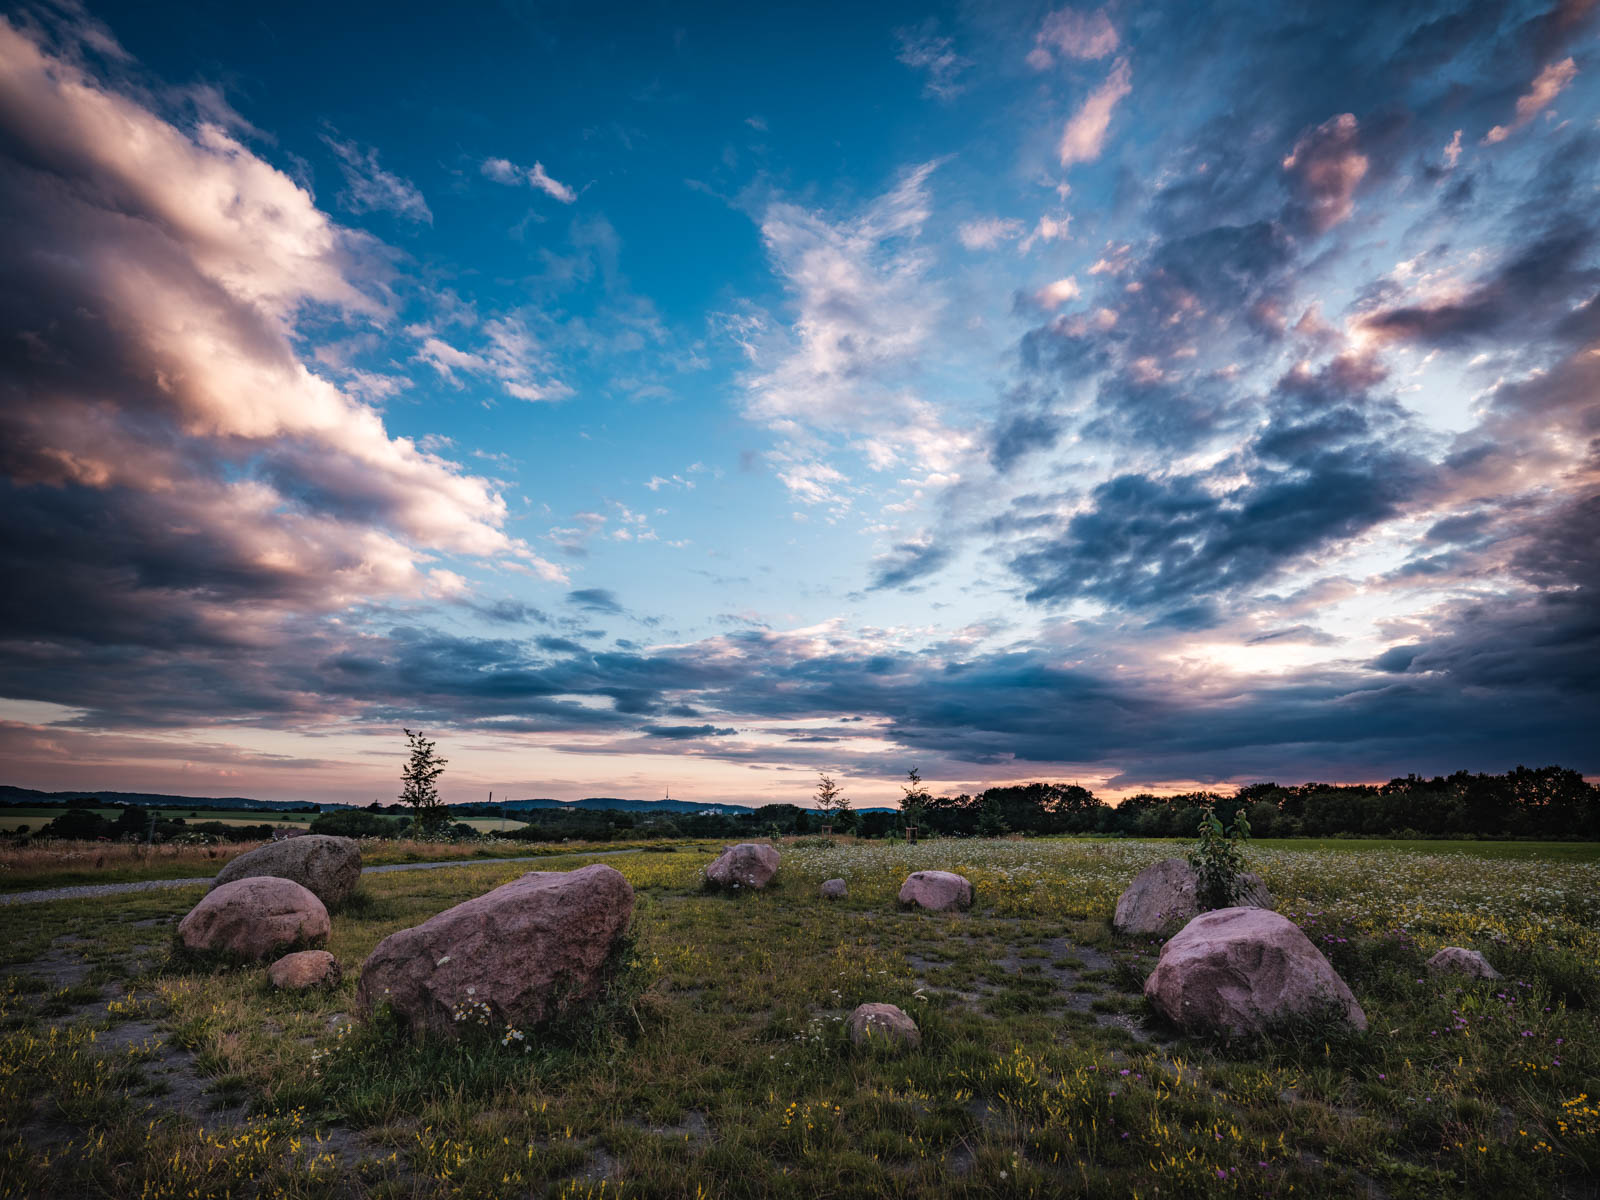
{"x": 1245, "y": 971}
{"x": 834, "y": 889}
{"x": 936, "y": 891}
{"x": 1162, "y": 897}
{"x": 747, "y": 865}
{"x": 329, "y": 867}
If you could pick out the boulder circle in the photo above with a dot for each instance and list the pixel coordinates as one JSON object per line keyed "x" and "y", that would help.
{"x": 516, "y": 956}
{"x": 1243, "y": 971}
{"x": 747, "y": 865}
{"x": 1460, "y": 961}
{"x": 305, "y": 969}
{"x": 1161, "y": 897}
{"x": 254, "y": 918}
{"x": 328, "y": 866}
{"x": 883, "y": 1024}
{"x": 936, "y": 891}
{"x": 834, "y": 889}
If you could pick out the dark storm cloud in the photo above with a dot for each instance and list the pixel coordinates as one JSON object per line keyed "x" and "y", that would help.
{"x": 680, "y": 733}
{"x": 1319, "y": 472}
{"x": 600, "y": 600}
{"x": 908, "y": 562}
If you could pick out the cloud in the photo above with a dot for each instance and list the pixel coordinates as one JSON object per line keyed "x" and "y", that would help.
{"x": 1053, "y": 295}
{"x": 503, "y": 170}
{"x": 369, "y": 188}
{"x": 909, "y": 562}
{"x": 600, "y": 600}
{"x": 1085, "y": 134}
{"x": 679, "y": 733}
{"x": 1325, "y": 168}
{"x": 1547, "y": 85}
{"x": 988, "y": 232}
{"x": 1073, "y": 34}
{"x": 923, "y": 49}
{"x": 208, "y": 484}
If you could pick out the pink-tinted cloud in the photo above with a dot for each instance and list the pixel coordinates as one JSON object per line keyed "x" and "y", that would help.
{"x": 1085, "y": 134}
{"x": 1073, "y": 34}
{"x": 1547, "y": 85}
{"x": 1325, "y": 168}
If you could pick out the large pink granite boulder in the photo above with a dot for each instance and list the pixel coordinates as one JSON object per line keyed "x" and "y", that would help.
{"x": 1162, "y": 897}
{"x": 747, "y": 865}
{"x": 254, "y": 918}
{"x": 328, "y": 866}
{"x": 1244, "y": 971}
{"x": 884, "y": 1024}
{"x": 936, "y": 891}
{"x": 516, "y": 956}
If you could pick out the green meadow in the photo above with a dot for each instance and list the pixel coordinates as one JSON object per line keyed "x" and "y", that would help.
{"x": 718, "y": 1065}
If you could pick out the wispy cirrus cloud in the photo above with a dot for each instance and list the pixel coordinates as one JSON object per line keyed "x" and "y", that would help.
{"x": 924, "y": 49}
{"x": 1073, "y": 34}
{"x": 370, "y": 188}
{"x": 1085, "y": 134}
{"x": 503, "y": 170}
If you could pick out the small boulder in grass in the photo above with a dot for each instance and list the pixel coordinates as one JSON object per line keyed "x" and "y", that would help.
{"x": 883, "y": 1024}
{"x": 936, "y": 891}
{"x": 1457, "y": 960}
{"x": 305, "y": 969}
{"x": 254, "y": 918}
{"x": 834, "y": 889}
{"x": 747, "y": 865}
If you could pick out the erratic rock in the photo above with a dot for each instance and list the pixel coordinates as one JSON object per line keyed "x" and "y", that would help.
{"x": 1460, "y": 961}
{"x": 883, "y": 1024}
{"x": 254, "y": 918}
{"x": 1162, "y": 897}
{"x": 936, "y": 890}
{"x": 1246, "y": 970}
{"x": 747, "y": 865}
{"x": 834, "y": 889}
{"x": 328, "y": 866}
{"x": 305, "y": 969}
{"x": 516, "y": 956}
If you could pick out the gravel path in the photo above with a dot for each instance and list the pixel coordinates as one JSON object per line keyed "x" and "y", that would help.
{"x": 87, "y": 891}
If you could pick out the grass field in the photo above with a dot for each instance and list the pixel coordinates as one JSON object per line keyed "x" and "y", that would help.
{"x": 726, "y": 1072}
{"x": 28, "y": 866}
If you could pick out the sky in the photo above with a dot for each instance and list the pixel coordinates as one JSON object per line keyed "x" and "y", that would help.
{"x": 699, "y": 397}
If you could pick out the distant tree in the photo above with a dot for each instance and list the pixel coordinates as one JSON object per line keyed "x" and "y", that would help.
{"x": 915, "y": 800}
{"x": 831, "y": 800}
{"x": 420, "y": 780}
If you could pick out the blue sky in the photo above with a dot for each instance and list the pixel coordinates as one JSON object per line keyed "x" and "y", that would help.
{"x": 1144, "y": 395}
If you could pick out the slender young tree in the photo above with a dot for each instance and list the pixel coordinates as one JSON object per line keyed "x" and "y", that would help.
{"x": 831, "y": 800}
{"x": 916, "y": 797}
{"x": 420, "y": 780}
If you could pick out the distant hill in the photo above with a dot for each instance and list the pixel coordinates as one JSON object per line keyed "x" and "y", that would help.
{"x": 17, "y": 795}
{"x": 616, "y": 804}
